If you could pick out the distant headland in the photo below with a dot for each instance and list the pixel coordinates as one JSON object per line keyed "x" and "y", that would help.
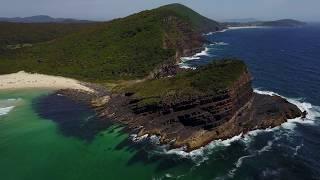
{"x": 41, "y": 19}
{"x": 276, "y": 23}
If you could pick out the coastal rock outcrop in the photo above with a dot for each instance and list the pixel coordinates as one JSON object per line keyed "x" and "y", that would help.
{"x": 195, "y": 119}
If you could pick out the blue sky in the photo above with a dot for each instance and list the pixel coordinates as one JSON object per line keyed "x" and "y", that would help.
{"x": 307, "y": 10}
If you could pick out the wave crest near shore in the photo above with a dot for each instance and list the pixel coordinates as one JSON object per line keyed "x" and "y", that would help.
{"x": 8, "y": 105}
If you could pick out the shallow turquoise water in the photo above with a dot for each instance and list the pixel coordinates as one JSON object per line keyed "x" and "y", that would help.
{"x": 33, "y": 148}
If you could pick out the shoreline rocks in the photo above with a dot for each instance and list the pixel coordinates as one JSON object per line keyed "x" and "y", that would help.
{"x": 192, "y": 122}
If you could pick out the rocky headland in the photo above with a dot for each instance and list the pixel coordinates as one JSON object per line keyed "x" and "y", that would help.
{"x": 194, "y": 107}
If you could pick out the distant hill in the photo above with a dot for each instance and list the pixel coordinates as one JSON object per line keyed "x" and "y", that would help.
{"x": 31, "y": 33}
{"x": 199, "y": 22}
{"x": 243, "y": 20}
{"x": 283, "y": 22}
{"x": 277, "y": 23}
{"x": 125, "y": 48}
{"x": 41, "y": 19}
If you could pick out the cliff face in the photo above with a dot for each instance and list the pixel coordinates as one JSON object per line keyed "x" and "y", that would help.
{"x": 196, "y": 120}
{"x": 186, "y": 41}
{"x": 206, "y": 111}
{"x": 183, "y": 31}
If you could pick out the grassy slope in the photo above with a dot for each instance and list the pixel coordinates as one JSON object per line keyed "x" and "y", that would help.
{"x": 127, "y": 48}
{"x": 208, "y": 79}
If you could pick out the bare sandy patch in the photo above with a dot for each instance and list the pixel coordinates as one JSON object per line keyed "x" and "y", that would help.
{"x": 23, "y": 80}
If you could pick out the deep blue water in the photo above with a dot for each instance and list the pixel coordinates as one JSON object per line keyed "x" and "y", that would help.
{"x": 284, "y": 61}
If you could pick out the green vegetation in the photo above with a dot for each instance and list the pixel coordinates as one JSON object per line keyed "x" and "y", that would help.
{"x": 198, "y": 22}
{"x": 27, "y": 33}
{"x": 127, "y": 48}
{"x": 209, "y": 79}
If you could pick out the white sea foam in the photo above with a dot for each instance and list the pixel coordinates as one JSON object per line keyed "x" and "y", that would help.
{"x": 221, "y": 31}
{"x": 205, "y": 52}
{"x": 221, "y": 44}
{"x": 297, "y": 148}
{"x": 153, "y": 138}
{"x": 136, "y": 138}
{"x": 246, "y": 27}
{"x": 238, "y": 164}
{"x": 184, "y": 59}
{"x": 255, "y": 153}
{"x": 5, "y": 110}
{"x": 186, "y": 67}
{"x": 200, "y": 155}
{"x": 8, "y": 105}
{"x": 313, "y": 112}
{"x": 235, "y": 28}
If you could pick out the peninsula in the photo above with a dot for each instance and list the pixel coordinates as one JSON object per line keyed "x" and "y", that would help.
{"x": 276, "y": 23}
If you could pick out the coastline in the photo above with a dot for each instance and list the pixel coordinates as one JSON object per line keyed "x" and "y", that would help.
{"x": 27, "y": 80}
{"x": 206, "y": 49}
{"x": 24, "y": 80}
{"x": 235, "y": 28}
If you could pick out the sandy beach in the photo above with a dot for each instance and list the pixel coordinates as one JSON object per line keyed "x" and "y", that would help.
{"x": 23, "y": 80}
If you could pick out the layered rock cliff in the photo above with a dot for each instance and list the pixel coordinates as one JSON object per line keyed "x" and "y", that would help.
{"x": 192, "y": 114}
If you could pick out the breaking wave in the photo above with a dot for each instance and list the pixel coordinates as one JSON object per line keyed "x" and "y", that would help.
{"x": 5, "y": 110}
{"x": 313, "y": 112}
{"x": 221, "y": 44}
{"x": 202, "y": 154}
{"x": 197, "y": 56}
{"x": 235, "y": 28}
{"x": 207, "y": 52}
{"x": 8, "y": 105}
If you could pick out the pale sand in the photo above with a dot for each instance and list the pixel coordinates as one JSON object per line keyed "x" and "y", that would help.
{"x": 23, "y": 80}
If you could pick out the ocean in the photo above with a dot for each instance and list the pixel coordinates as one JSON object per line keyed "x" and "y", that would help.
{"x": 41, "y": 139}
